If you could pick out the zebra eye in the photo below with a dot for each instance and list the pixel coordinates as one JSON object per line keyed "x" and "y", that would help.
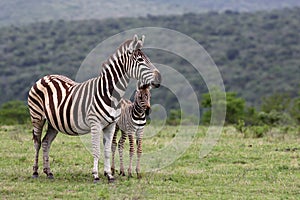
{"x": 140, "y": 59}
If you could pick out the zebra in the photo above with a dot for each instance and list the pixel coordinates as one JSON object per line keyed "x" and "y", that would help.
{"x": 132, "y": 121}
{"x": 92, "y": 106}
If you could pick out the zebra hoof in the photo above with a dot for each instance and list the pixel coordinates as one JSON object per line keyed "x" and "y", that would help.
{"x": 35, "y": 175}
{"x": 130, "y": 175}
{"x": 113, "y": 171}
{"x": 50, "y": 176}
{"x": 96, "y": 180}
{"x": 110, "y": 179}
{"x": 122, "y": 173}
{"x": 139, "y": 176}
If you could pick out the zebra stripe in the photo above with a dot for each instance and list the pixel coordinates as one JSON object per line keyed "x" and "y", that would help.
{"x": 132, "y": 121}
{"x": 92, "y": 106}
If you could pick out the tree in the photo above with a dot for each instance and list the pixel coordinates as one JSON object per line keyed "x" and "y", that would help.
{"x": 276, "y": 110}
{"x": 235, "y": 107}
{"x": 295, "y": 109}
{"x": 174, "y": 117}
{"x": 278, "y": 102}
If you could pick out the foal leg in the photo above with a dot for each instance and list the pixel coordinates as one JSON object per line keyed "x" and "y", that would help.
{"x": 46, "y": 143}
{"x": 139, "y": 153}
{"x": 131, "y": 153}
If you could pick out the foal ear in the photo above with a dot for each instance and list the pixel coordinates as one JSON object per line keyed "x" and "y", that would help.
{"x": 139, "y": 85}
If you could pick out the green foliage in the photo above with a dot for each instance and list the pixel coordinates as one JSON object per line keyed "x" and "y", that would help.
{"x": 295, "y": 109}
{"x": 259, "y": 131}
{"x": 249, "y": 48}
{"x": 251, "y": 116}
{"x": 278, "y": 102}
{"x": 240, "y": 126}
{"x": 32, "y": 11}
{"x": 278, "y": 109}
{"x": 14, "y": 112}
{"x": 234, "y": 107}
{"x": 174, "y": 118}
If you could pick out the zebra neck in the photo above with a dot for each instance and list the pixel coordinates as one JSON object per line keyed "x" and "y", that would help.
{"x": 112, "y": 85}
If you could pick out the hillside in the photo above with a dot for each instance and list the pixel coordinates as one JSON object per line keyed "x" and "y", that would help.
{"x": 19, "y": 12}
{"x": 257, "y": 53}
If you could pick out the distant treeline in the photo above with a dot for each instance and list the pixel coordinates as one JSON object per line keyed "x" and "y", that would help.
{"x": 258, "y": 54}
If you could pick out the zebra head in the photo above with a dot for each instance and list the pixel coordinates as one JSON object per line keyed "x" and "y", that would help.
{"x": 140, "y": 66}
{"x": 142, "y": 99}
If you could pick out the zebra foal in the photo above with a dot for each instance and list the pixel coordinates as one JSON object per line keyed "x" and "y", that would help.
{"x": 132, "y": 121}
{"x": 92, "y": 106}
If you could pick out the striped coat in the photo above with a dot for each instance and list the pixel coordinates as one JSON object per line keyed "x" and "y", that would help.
{"x": 89, "y": 107}
{"x": 132, "y": 122}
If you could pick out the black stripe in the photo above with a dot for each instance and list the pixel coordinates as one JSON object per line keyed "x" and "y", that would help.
{"x": 39, "y": 92}
{"x": 58, "y": 90}
{"x": 36, "y": 103}
{"x": 32, "y": 109}
{"x": 51, "y": 104}
{"x": 83, "y": 94}
{"x": 61, "y": 114}
{"x": 76, "y": 105}
{"x": 98, "y": 112}
{"x": 68, "y": 116}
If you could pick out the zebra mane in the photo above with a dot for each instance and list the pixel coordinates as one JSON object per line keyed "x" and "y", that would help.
{"x": 128, "y": 46}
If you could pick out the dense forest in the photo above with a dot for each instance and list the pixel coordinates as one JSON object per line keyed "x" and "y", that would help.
{"x": 18, "y": 12}
{"x": 258, "y": 53}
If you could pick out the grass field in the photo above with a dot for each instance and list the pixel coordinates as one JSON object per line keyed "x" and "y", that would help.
{"x": 238, "y": 167}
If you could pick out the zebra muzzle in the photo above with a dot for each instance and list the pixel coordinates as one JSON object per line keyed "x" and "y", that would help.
{"x": 157, "y": 80}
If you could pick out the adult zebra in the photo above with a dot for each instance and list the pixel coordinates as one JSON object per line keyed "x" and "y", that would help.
{"x": 132, "y": 121}
{"x": 92, "y": 106}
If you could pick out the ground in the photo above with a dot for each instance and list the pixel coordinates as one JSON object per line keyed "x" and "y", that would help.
{"x": 238, "y": 167}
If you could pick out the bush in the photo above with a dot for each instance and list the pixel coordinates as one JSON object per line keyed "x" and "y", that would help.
{"x": 174, "y": 117}
{"x": 275, "y": 118}
{"x": 234, "y": 106}
{"x": 258, "y": 131}
{"x": 240, "y": 126}
{"x": 14, "y": 112}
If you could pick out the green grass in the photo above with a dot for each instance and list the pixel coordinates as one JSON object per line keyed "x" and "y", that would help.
{"x": 238, "y": 167}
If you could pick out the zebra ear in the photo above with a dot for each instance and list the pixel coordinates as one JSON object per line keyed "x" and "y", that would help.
{"x": 140, "y": 86}
{"x": 133, "y": 44}
{"x": 140, "y": 43}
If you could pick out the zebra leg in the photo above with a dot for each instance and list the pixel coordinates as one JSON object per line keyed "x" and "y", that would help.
{"x": 113, "y": 150}
{"x": 139, "y": 153}
{"x": 46, "y": 143}
{"x": 131, "y": 153}
{"x": 120, "y": 148}
{"x": 37, "y": 134}
{"x": 95, "y": 132}
{"x": 108, "y": 133}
